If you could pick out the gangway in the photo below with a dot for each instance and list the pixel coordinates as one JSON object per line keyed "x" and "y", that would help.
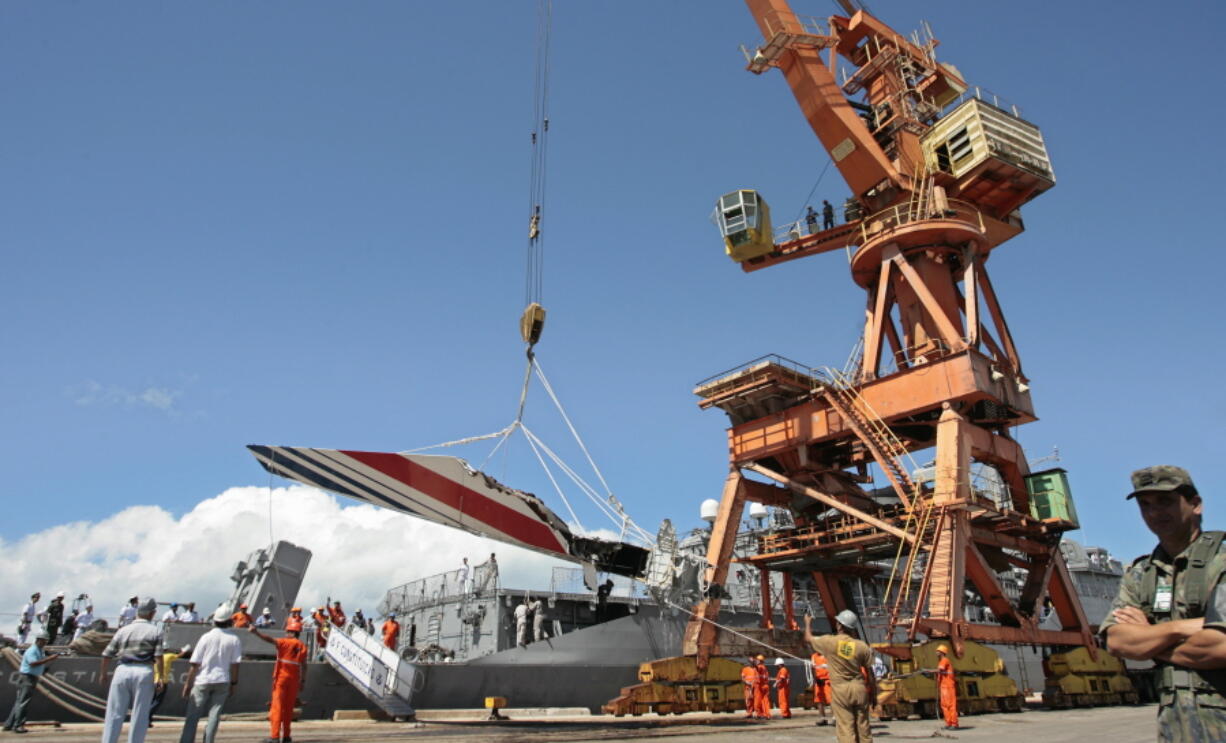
{"x": 377, "y": 671}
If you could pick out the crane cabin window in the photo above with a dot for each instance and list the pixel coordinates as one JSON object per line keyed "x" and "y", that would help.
{"x": 738, "y": 211}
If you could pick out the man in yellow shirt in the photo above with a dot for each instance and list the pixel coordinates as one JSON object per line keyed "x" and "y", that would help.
{"x": 853, "y": 685}
{"x": 163, "y": 676}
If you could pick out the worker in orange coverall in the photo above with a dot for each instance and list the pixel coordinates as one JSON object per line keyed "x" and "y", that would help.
{"x": 241, "y": 618}
{"x": 749, "y": 677}
{"x": 947, "y": 688}
{"x": 320, "y": 618}
{"x": 336, "y": 614}
{"x": 391, "y": 632}
{"x": 821, "y": 685}
{"x": 762, "y": 689}
{"x": 288, "y": 678}
{"x": 783, "y": 689}
{"x": 294, "y": 621}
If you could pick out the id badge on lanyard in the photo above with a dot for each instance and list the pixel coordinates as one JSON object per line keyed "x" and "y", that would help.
{"x": 1162, "y": 597}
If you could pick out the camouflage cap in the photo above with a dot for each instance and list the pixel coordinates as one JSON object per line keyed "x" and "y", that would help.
{"x": 1162, "y": 477}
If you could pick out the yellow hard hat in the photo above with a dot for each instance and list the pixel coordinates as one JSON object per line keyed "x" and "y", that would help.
{"x": 761, "y": 657}
{"x": 943, "y": 649}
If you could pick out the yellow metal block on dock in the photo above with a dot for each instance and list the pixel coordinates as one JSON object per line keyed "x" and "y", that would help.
{"x": 495, "y": 702}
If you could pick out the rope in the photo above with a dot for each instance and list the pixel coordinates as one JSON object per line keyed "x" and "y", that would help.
{"x": 540, "y": 148}
{"x": 775, "y": 650}
{"x": 549, "y": 473}
{"x": 801, "y": 214}
{"x": 540, "y": 373}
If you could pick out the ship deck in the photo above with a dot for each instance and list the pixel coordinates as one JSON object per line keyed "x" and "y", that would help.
{"x": 1117, "y": 724}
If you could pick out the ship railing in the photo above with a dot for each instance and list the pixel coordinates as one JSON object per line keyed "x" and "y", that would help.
{"x": 432, "y": 589}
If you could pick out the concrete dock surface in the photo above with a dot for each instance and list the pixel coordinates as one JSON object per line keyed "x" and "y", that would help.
{"x": 1115, "y": 724}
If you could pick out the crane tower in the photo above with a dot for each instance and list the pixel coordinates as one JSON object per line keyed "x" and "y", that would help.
{"x": 937, "y": 171}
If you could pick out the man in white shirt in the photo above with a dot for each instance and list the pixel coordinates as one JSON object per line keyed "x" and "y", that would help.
{"x": 127, "y": 614}
{"x": 84, "y": 620}
{"x": 29, "y": 613}
{"x": 189, "y": 614}
{"x": 172, "y": 614}
{"x": 464, "y": 587}
{"x": 265, "y": 619}
{"x": 213, "y": 675}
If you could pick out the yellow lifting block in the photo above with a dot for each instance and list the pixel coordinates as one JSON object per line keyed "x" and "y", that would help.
{"x": 495, "y": 702}
{"x": 531, "y": 323}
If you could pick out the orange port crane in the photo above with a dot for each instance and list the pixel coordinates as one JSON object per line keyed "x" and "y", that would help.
{"x": 938, "y": 171}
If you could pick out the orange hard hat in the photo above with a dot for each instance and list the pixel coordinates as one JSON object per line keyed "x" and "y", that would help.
{"x": 297, "y": 608}
{"x": 943, "y": 649}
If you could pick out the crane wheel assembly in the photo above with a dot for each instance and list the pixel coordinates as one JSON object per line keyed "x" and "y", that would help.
{"x": 677, "y": 685}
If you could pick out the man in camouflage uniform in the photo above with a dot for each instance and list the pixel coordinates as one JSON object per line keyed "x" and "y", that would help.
{"x": 853, "y": 686}
{"x": 1171, "y": 608}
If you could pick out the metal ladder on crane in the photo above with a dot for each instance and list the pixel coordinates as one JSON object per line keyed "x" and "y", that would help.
{"x": 881, "y": 442}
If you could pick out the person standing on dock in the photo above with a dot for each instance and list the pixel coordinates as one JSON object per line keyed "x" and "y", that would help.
{"x": 32, "y": 667}
{"x": 212, "y": 677}
{"x": 761, "y": 689}
{"x": 288, "y": 679}
{"x": 749, "y": 677}
{"x": 947, "y": 688}
{"x": 1171, "y": 607}
{"x": 294, "y": 620}
{"x": 136, "y": 646}
{"x": 391, "y": 632}
{"x": 163, "y": 677}
{"x": 783, "y": 689}
{"x": 821, "y": 686}
{"x": 854, "y": 687}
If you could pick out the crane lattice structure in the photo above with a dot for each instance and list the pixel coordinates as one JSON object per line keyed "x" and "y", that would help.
{"x": 938, "y": 171}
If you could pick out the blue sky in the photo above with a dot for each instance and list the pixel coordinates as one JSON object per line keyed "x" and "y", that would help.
{"x": 304, "y": 223}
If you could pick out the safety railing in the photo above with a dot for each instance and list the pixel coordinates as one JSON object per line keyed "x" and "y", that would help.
{"x": 435, "y": 588}
{"x": 906, "y": 213}
{"x": 986, "y": 96}
{"x": 802, "y": 371}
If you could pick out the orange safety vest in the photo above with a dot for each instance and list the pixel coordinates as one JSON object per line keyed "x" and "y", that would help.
{"x": 293, "y": 623}
{"x": 241, "y": 619}
{"x": 820, "y": 672}
{"x": 291, "y": 654}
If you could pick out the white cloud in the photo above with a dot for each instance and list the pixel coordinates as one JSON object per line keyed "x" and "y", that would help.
{"x": 359, "y": 551}
{"x": 92, "y": 393}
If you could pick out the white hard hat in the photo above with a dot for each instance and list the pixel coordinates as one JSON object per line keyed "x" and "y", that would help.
{"x": 267, "y": 610}
{"x": 223, "y": 612}
{"x": 59, "y": 595}
{"x": 778, "y": 661}
{"x": 847, "y": 618}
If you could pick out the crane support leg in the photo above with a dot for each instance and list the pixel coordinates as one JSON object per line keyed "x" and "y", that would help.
{"x": 700, "y": 631}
